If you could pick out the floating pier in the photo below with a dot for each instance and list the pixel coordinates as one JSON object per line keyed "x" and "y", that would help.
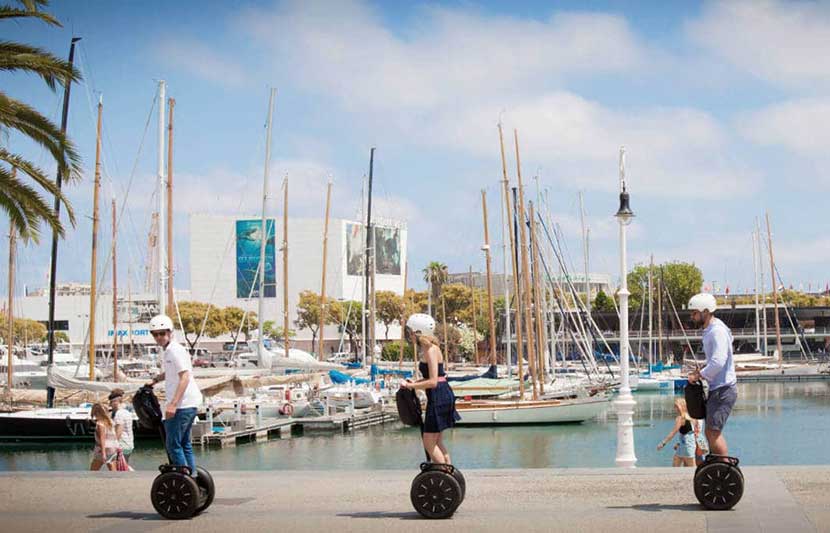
{"x": 243, "y": 430}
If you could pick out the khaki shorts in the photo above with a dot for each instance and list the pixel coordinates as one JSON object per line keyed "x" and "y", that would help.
{"x": 719, "y": 406}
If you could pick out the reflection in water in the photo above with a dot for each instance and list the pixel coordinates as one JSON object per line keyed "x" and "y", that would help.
{"x": 773, "y": 423}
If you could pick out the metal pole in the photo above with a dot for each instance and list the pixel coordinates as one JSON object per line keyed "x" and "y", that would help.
{"x": 650, "y": 308}
{"x": 775, "y": 296}
{"x": 263, "y": 229}
{"x": 161, "y": 292}
{"x": 10, "y": 314}
{"x": 114, "y": 298}
{"x": 370, "y": 328}
{"x": 625, "y": 402}
{"x": 284, "y": 266}
{"x": 755, "y": 255}
{"x": 403, "y": 314}
{"x": 53, "y": 257}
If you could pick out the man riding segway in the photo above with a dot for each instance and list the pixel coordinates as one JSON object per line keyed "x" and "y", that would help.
{"x": 718, "y": 482}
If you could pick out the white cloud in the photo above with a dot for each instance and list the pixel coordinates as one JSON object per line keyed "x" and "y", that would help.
{"x": 784, "y": 43}
{"x": 345, "y": 50}
{"x": 671, "y": 151}
{"x": 202, "y": 61}
{"x": 802, "y": 126}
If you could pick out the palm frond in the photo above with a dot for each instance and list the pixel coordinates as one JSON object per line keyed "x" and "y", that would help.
{"x": 26, "y": 207}
{"x": 30, "y": 59}
{"x": 26, "y": 120}
{"x": 31, "y": 170}
{"x": 8, "y": 12}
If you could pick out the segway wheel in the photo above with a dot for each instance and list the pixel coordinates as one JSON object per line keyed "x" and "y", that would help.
{"x": 435, "y": 494}
{"x": 175, "y": 496}
{"x": 719, "y": 486}
{"x": 207, "y": 490}
{"x": 459, "y": 477}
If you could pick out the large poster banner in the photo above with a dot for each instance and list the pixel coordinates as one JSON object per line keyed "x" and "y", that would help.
{"x": 387, "y": 249}
{"x": 248, "y": 242}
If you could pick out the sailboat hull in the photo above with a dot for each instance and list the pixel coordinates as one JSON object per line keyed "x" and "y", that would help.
{"x": 490, "y": 413}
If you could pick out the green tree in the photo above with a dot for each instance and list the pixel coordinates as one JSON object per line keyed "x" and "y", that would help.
{"x": 435, "y": 275}
{"x": 389, "y": 307}
{"x": 348, "y": 315}
{"x": 26, "y": 331}
{"x": 192, "y": 316}
{"x": 603, "y": 302}
{"x": 680, "y": 280}
{"x": 308, "y": 315}
{"x": 274, "y": 332}
{"x": 449, "y": 337}
{"x": 22, "y": 182}
{"x": 238, "y": 321}
{"x": 392, "y": 351}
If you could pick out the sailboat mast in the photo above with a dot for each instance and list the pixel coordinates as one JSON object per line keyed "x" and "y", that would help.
{"x": 763, "y": 286}
{"x": 114, "y": 298}
{"x": 475, "y": 315}
{"x": 531, "y": 344}
{"x": 53, "y": 256}
{"x": 755, "y": 256}
{"x": 491, "y": 319}
{"x": 10, "y": 309}
{"x": 323, "y": 282}
{"x": 263, "y": 228}
{"x": 169, "y": 270}
{"x": 285, "y": 265}
{"x": 505, "y": 223}
{"x": 537, "y": 300}
{"x": 585, "y": 254}
{"x": 403, "y": 314}
{"x": 130, "y": 309}
{"x": 94, "y": 262}
{"x": 650, "y": 305}
{"x": 775, "y": 296}
{"x": 160, "y": 235}
{"x": 368, "y": 335}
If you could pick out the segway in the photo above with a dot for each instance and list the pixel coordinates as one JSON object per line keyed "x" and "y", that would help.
{"x": 718, "y": 482}
{"x": 438, "y": 489}
{"x": 175, "y": 494}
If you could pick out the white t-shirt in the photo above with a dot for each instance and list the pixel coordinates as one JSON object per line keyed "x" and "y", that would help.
{"x": 176, "y": 359}
{"x": 125, "y": 419}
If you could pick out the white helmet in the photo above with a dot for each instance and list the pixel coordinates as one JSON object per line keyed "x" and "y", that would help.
{"x": 421, "y": 323}
{"x": 160, "y": 323}
{"x": 703, "y": 302}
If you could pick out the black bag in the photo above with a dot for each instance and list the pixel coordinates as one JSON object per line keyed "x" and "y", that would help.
{"x": 147, "y": 408}
{"x": 695, "y": 400}
{"x": 409, "y": 407}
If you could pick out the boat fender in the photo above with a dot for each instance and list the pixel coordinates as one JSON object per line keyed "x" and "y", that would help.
{"x": 287, "y": 409}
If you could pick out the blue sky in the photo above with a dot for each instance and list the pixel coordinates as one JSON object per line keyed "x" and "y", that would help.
{"x": 723, "y": 109}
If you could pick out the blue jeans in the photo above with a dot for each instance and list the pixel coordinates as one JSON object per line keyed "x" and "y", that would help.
{"x": 178, "y": 438}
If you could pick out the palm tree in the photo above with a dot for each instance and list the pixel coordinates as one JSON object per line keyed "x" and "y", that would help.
{"x": 21, "y": 191}
{"x": 435, "y": 274}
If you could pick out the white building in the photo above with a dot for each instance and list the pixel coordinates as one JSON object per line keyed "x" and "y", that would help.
{"x": 224, "y": 259}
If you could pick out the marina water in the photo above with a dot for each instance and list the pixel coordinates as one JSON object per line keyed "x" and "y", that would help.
{"x": 772, "y": 424}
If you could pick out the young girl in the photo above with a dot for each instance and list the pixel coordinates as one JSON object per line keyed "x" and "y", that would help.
{"x": 440, "y": 412}
{"x": 684, "y": 427}
{"x": 106, "y": 443}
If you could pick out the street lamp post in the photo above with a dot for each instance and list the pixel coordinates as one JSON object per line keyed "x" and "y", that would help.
{"x": 625, "y": 401}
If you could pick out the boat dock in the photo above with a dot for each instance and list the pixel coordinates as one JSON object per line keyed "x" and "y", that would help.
{"x": 265, "y": 428}
{"x": 769, "y": 378}
{"x": 777, "y": 498}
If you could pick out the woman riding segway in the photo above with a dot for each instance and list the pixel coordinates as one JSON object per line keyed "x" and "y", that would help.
{"x": 439, "y": 489}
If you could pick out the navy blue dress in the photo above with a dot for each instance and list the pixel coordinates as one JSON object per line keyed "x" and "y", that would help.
{"x": 441, "y": 413}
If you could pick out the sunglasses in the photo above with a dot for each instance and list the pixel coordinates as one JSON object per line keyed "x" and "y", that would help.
{"x": 158, "y": 333}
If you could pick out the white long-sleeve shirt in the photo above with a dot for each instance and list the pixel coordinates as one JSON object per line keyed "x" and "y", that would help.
{"x": 720, "y": 365}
